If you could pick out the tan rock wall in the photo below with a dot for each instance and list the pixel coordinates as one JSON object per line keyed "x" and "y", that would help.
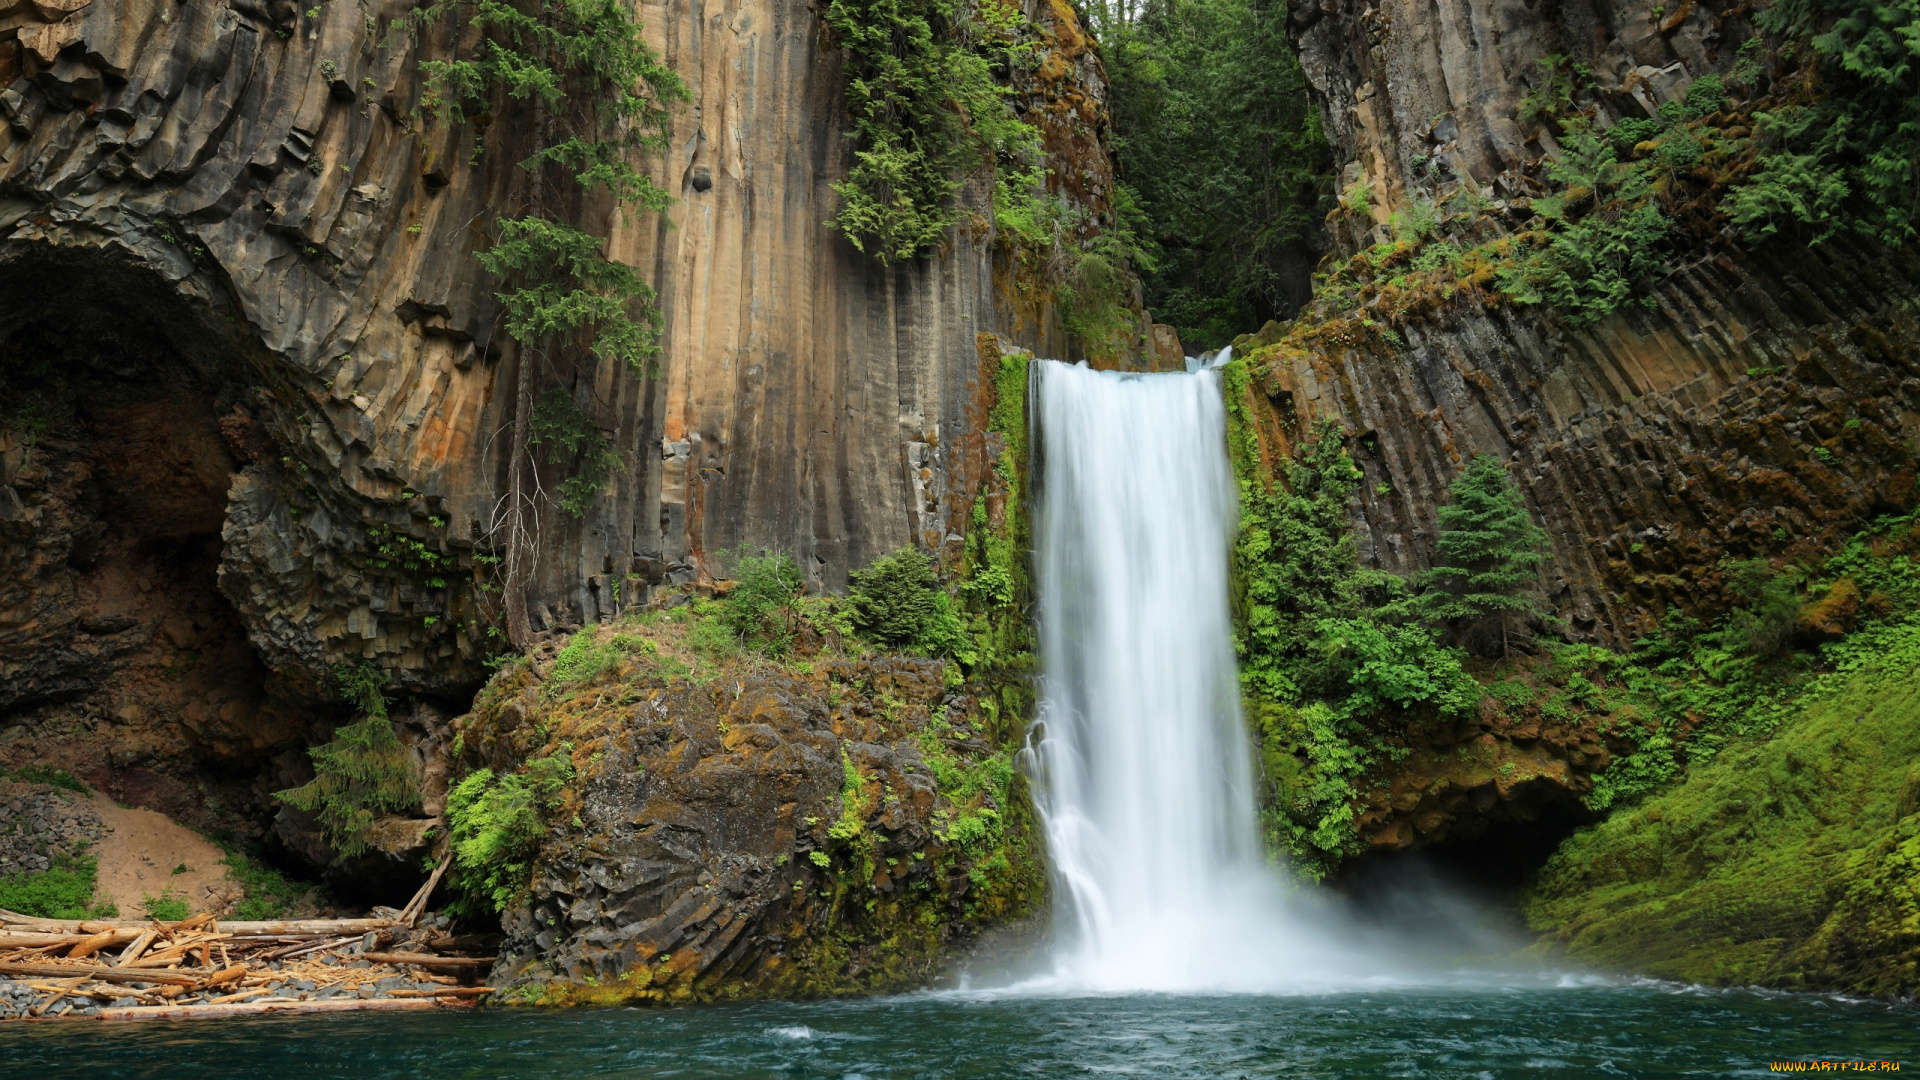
{"x": 270, "y": 177}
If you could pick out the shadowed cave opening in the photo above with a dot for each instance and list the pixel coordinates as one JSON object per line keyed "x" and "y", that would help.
{"x": 124, "y": 416}
{"x": 1487, "y": 862}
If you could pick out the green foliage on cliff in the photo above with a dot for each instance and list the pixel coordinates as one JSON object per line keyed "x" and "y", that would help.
{"x": 1842, "y": 157}
{"x": 360, "y": 774}
{"x": 1787, "y": 862}
{"x": 1216, "y": 133}
{"x": 567, "y": 436}
{"x": 898, "y": 602}
{"x": 1602, "y": 232}
{"x": 928, "y": 106}
{"x": 1329, "y": 659}
{"x": 598, "y": 97}
{"x": 1490, "y": 551}
{"x": 496, "y": 823}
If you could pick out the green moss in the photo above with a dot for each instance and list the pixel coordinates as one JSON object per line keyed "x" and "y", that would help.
{"x": 40, "y": 774}
{"x": 996, "y": 589}
{"x": 1785, "y": 863}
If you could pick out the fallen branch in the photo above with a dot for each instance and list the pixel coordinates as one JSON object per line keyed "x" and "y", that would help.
{"x": 427, "y": 960}
{"x": 252, "y": 1008}
{"x": 98, "y": 972}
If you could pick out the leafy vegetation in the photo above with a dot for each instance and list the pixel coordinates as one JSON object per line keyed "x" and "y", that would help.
{"x": 927, "y": 100}
{"x": 1600, "y": 234}
{"x": 496, "y": 823}
{"x": 1330, "y": 658}
{"x": 62, "y": 891}
{"x": 361, "y": 773}
{"x": 1222, "y": 149}
{"x": 898, "y": 602}
{"x": 762, "y": 610}
{"x": 1837, "y": 153}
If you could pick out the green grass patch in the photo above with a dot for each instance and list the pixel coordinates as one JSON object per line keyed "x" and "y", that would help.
{"x": 63, "y": 891}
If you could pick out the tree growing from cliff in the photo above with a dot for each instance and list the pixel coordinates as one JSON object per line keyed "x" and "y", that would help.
{"x": 1490, "y": 552}
{"x": 596, "y": 97}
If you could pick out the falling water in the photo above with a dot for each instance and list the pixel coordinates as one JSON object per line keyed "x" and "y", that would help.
{"x": 1146, "y": 783}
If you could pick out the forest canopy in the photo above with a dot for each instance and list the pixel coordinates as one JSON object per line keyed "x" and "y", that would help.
{"x": 1221, "y": 145}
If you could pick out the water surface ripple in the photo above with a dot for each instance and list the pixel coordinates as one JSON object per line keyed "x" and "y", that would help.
{"x": 1644, "y": 1030}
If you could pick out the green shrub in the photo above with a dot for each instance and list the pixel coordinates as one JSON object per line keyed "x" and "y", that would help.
{"x": 62, "y": 891}
{"x": 761, "y": 610}
{"x": 898, "y": 602}
{"x": 1490, "y": 551}
{"x": 166, "y": 907}
{"x": 496, "y": 823}
{"x": 362, "y": 773}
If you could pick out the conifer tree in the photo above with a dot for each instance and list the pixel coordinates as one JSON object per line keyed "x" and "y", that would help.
{"x": 1490, "y": 551}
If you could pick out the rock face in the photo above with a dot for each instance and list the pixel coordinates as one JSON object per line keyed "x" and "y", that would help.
{"x": 766, "y": 832}
{"x": 242, "y": 300}
{"x": 1767, "y": 403}
{"x": 266, "y": 177}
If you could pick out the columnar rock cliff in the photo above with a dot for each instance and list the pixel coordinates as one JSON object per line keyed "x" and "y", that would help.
{"x": 1768, "y": 401}
{"x": 1764, "y": 402}
{"x": 244, "y": 333}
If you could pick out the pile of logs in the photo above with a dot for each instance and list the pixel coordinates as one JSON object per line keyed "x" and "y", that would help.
{"x": 129, "y": 968}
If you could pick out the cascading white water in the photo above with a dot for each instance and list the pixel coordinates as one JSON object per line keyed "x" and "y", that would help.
{"x": 1145, "y": 778}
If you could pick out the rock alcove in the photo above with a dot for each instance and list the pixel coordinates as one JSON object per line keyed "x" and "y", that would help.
{"x": 127, "y": 417}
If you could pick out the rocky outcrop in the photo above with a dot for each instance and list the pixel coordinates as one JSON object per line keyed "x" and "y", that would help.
{"x": 1764, "y": 402}
{"x": 767, "y": 831}
{"x": 267, "y": 177}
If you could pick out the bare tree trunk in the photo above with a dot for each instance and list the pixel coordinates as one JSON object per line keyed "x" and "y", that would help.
{"x": 519, "y": 540}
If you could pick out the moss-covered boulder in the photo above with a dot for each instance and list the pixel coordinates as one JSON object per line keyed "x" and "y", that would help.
{"x": 667, "y": 817}
{"x": 1792, "y": 863}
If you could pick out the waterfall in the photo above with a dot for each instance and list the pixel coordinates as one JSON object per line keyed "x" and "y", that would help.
{"x": 1145, "y": 777}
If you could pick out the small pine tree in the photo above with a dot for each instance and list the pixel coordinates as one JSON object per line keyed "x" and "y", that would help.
{"x": 363, "y": 772}
{"x": 898, "y": 602}
{"x": 1490, "y": 552}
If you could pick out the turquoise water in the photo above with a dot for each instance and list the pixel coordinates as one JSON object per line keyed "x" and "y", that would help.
{"x": 1645, "y": 1030}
